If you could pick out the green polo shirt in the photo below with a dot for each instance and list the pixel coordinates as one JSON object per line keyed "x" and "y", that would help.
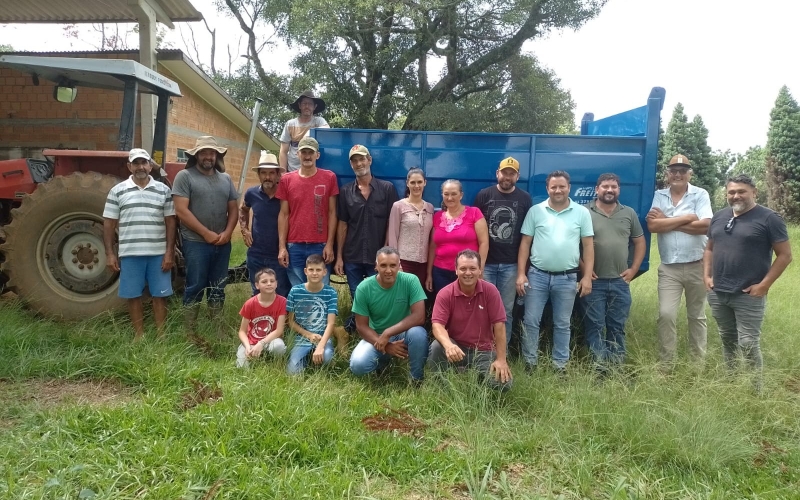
{"x": 612, "y": 235}
{"x": 386, "y": 308}
{"x": 557, "y": 235}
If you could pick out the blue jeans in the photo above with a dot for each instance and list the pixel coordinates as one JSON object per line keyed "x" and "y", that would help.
{"x": 255, "y": 264}
{"x": 300, "y": 356}
{"x": 560, "y": 290}
{"x": 366, "y": 359}
{"x": 355, "y": 275}
{"x": 298, "y": 253}
{"x": 206, "y": 270}
{"x": 504, "y": 277}
{"x": 607, "y": 307}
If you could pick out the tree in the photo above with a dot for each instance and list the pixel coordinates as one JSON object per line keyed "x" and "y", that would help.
{"x": 372, "y": 57}
{"x": 6, "y": 48}
{"x": 783, "y": 157}
{"x": 691, "y": 139}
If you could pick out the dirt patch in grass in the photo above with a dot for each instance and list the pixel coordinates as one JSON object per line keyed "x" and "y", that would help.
{"x": 56, "y": 392}
{"x": 397, "y": 421}
{"x": 200, "y": 393}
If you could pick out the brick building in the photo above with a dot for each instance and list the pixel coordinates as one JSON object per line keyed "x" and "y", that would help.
{"x": 32, "y": 120}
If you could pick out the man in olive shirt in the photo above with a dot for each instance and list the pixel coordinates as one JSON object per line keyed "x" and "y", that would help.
{"x": 390, "y": 310}
{"x": 609, "y": 302}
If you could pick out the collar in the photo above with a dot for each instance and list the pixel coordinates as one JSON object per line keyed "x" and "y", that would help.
{"x": 691, "y": 189}
{"x": 548, "y": 207}
{"x": 593, "y": 207}
{"x": 150, "y": 182}
{"x": 458, "y": 293}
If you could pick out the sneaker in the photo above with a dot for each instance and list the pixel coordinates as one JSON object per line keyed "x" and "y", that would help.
{"x": 530, "y": 369}
{"x": 560, "y": 373}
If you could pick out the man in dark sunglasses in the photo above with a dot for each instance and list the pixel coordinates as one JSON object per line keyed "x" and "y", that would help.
{"x": 739, "y": 269}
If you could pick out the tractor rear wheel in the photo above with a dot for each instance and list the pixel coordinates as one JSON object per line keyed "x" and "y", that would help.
{"x": 53, "y": 252}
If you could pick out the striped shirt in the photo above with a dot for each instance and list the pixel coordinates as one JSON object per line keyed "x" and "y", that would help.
{"x": 311, "y": 309}
{"x": 140, "y": 213}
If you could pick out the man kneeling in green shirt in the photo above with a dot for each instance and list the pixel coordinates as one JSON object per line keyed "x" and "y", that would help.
{"x": 389, "y": 309}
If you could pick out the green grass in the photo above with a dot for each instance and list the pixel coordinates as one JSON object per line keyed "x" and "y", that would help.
{"x": 689, "y": 435}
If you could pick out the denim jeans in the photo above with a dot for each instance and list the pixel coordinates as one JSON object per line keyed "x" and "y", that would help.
{"x": 300, "y": 356}
{"x": 255, "y": 264}
{"x": 607, "y": 307}
{"x": 206, "y": 270}
{"x": 739, "y": 317}
{"x": 560, "y": 290}
{"x": 480, "y": 361}
{"x": 504, "y": 277}
{"x": 366, "y": 359}
{"x": 441, "y": 278}
{"x": 355, "y": 274}
{"x": 298, "y": 253}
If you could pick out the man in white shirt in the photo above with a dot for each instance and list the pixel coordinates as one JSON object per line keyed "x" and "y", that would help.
{"x": 680, "y": 216}
{"x": 308, "y": 107}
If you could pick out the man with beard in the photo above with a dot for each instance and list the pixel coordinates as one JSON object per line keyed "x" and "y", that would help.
{"x": 262, "y": 237}
{"x": 553, "y": 234}
{"x": 363, "y": 210}
{"x": 143, "y": 211}
{"x": 390, "y": 309}
{"x": 609, "y": 303}
{"x": 504, "y": 206}
{"x": 206, "y": 203}
{"x": 739, "y": 270}
{"x": 308, "y": 107}
{"x": 680, "y": 216}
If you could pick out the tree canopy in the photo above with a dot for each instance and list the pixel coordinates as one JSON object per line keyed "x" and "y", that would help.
{"x": 691, "y": 139}
{"x": 379, "y": 63}
{"x": 783, "y": 156}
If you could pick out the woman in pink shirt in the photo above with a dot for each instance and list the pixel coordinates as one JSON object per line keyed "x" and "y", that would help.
{"x": 410, "y": 224}
{"x": 456, "y": 227}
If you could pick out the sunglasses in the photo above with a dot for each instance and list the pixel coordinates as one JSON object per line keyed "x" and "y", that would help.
{"x": 730, "y": 224}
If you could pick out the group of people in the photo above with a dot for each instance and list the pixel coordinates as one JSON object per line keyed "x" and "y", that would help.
{"x": 468, "y": 263}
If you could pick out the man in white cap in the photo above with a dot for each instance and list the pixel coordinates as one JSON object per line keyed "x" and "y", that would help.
{"x": 261, "y": 237}
{"x": 142, "y": 209}
{"x": 680, "y": 216}
{"x": 308, "y": 107}
{"x": 206, "y": 204}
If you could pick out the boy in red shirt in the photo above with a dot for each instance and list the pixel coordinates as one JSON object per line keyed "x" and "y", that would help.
{"x": 263, "y": 319}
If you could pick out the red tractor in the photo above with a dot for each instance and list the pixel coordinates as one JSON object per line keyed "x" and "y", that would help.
{"x": 51, "y": 225}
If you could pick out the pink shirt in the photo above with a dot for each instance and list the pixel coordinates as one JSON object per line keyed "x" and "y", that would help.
{"x": 410, "y": 229}
{"x": 453, "y": 235}
{"x": 308, "y": 204}
{"x": 469, "y": 320}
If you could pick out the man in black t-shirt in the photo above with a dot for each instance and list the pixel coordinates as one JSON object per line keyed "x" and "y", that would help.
{"x": 504, "y": 206}
{"x": 739, "y": 270}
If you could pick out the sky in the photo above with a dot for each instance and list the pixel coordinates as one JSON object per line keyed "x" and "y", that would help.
{"x": 723, "y": 60}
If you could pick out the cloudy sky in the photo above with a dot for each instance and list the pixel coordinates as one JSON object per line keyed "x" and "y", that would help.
{"x": 723, "y": 60}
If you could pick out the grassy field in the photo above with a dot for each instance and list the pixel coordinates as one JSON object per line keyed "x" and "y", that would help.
{"x": 86, "y": 413}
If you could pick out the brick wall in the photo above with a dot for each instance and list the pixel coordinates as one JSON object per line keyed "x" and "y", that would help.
{"x": 31, "y": 120}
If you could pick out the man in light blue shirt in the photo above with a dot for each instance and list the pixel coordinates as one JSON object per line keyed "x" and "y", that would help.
{"x": 552, "y": 235}
{"x": 680, "y": 216}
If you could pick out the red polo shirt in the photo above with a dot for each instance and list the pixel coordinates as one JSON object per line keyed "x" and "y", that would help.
{"x": 469, "y": 319}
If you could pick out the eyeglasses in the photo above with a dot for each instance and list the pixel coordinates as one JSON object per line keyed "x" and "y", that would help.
{"x": 730, "y": 224}
{"x": 678, "y": 171}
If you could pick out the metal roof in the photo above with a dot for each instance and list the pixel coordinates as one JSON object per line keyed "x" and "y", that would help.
{"x": 98, "y": 73}
{"x": 94, "y": 11}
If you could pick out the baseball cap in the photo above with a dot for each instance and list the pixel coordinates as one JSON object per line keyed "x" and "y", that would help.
{"x": 679, "y": 161}
{"x": 509, "y": 162}
{"x": 308, "y": 143}
{"x": 358, "y": 149}
{"x": 138, "y": 153}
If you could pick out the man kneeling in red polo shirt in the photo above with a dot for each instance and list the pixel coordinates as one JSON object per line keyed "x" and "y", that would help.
{"x": 469, "y": 325}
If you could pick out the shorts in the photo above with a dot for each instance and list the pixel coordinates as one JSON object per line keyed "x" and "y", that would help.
{"x": 137, "y": 270}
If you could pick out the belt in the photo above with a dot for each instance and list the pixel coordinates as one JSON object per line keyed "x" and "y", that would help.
{"x": 557, "y": 273}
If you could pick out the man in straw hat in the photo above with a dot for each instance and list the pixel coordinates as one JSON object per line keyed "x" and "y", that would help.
{"x": 308, "y": 106}
{"x": 680, "y": 216}
{"x": 206, "y": 204}
{"x": 261, "y": 237}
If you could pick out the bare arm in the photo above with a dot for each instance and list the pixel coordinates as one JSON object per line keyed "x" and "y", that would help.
{"x": 639, "y": 248}
{"x": 233, "y": 215}
{"x": 500, "y": 367}
{"x": 587, "y": 242}
{"x": 431, "y": 256}
{"x": 109, "y": 231}
{"x": 171, "y": 227}
{"x": 283, "y": 156}
{"x": 522, "y": 262}
{"x": 244, "y": 224}
{"x": 453, "y": 352}
{"x": 416, "y": 317}
{"x": 657, "y": 222}
{"x": 783, "y": 256}
{"x": 482, "y": 231}
{"x": 698, "y": 227}
{"x": 295, "y": 326}
{"x": 283, "y": 232}
{"x": 190, "y": 221}
{"x": 243, "y": 325}
{"x": 319, "y": 353}
{"x": 708, "y": 265}
{"x": 341, "y": 234}
{"x": 333, "y": 221}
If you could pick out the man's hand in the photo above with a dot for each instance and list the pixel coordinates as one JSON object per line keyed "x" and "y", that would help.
{"x": 454, "y": 353}
{"x": 626, "y": 275}
{"x": 327, "y": 253}
{"x": 339, "y": 267}
{"x": 709, "y": 281}
{"x": 585, "y": 286}
{"x": 655, "y": 213}
{"x": 112, "y": 262}
{"x": 283, "y": 257}
{"x": 757, "y": 290}
{"x": 211, "y": 238}
{"x": 247, "y": 236}
{"x": 397, "y": 349}
{"x": 314, "y": 338}
{"x": 522, "y": 284}
{"x": 380, "y": 344}
{"x": 319, "y": 354}
{"x": 224, "y": 238}
{"x": 502, "y": 373}
{"x": 168, "y": 262}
